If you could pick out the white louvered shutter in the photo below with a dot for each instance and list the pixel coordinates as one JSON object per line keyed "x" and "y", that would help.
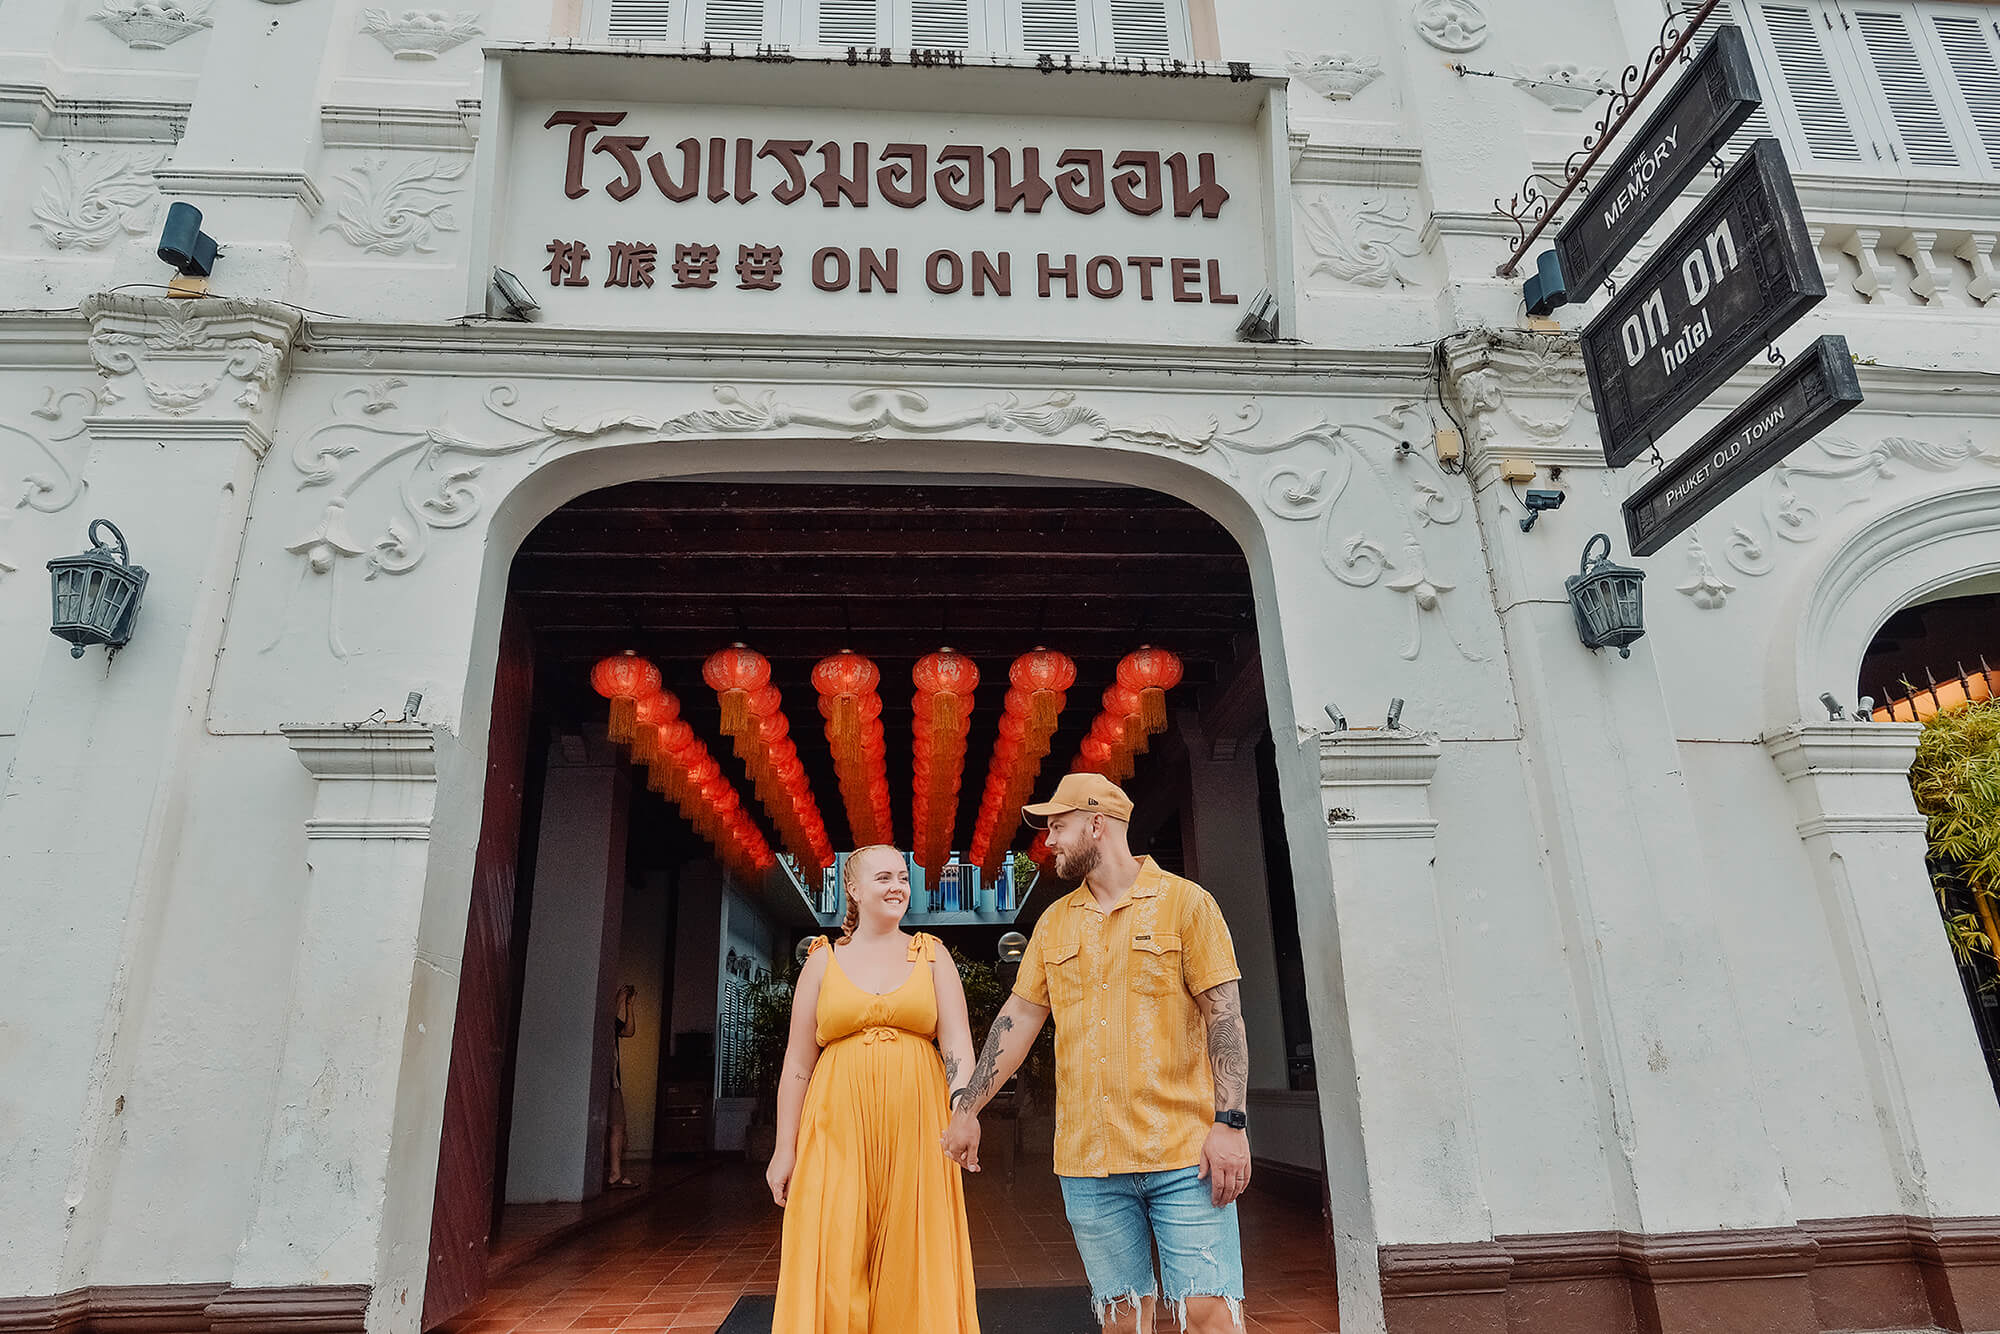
{"x": 1921, "y": 136}
{"x": 644, "y": 21}
{"x": 1051, "y": 27}
{"x": 1759, "y": 126}
{"x": 1812, "y": 82}
{"x": 941, "y": 25}
{"x": 1968, "y": 44}
{"x": 1142, "y": 29}
{"x": 842, "y": 23}
{"x": 736, "y": 21}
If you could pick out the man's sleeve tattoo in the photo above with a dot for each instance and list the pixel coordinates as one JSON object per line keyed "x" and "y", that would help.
{"x": 989, "y": 1060}
{"x": 1228, "y": 1048}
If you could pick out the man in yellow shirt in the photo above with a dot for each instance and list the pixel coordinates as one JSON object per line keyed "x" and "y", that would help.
{"x": 1152, "y": 1070}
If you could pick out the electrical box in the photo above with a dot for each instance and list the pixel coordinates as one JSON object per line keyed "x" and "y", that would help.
{"x": 1516, "y": 470}
{"x": 1450, "y": 444}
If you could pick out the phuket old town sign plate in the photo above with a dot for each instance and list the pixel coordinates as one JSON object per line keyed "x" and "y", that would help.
{"x": 1811, "y": 393}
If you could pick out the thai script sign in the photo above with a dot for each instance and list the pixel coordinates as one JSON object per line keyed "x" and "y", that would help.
{"x": 694, "y": 217}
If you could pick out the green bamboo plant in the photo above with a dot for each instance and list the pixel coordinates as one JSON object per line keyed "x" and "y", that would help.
{"x": 1956, "y": 780}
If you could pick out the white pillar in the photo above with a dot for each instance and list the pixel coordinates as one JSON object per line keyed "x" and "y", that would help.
{"x": 562, "y": 1074}
{"x": 1850, "y": 783}
{"x": 319, "y": 1217}
{"x": 1224, "y": 837}
{"x": 253, "y": 128}
{"x": 1416, "y": 1113}
{"x": 96, "y": 796}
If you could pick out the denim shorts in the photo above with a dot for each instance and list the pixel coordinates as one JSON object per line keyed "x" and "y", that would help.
{"x": 1117, "y": 1221}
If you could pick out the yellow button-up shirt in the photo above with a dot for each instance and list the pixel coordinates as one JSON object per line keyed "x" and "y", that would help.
{"x": 1133, "y": 1087}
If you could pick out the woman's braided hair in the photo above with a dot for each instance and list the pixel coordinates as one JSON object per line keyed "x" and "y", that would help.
{"x": 848, "y": 874}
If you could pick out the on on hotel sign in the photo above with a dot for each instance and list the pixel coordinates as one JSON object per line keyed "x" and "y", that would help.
{"x": 759, "y": 218}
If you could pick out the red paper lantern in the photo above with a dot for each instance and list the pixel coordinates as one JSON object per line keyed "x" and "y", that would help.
{"x": 624, "y": 680}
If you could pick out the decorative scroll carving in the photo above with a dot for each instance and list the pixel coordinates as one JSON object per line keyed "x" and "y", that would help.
{"x": 392, "y": 210}
{"x": 150, "y": 338}
{"x": 51, "y": 484}
{"x": 420, "y": 34}
{"x": 1337, "y": 75}
{"x": 1451, "y": 25}
{"x": 1790, "y": 516}
{"x": 1363, "y": 246}
{"x": 437, "y": 472}
{"x": 92, "y": 195}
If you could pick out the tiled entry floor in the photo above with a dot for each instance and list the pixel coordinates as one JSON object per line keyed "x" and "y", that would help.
{"x": 681, "y": 1262}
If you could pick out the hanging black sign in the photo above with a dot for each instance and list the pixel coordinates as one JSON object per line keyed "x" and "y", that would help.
{"x": 1800, "y": 401}
{"x": 1735, "y": 275}
{"x": 1710, "y": 103}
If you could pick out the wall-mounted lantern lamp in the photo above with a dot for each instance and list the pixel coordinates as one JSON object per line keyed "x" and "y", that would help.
{"x": 1610, "y": 609}
{"x": 1012, "y": 946}
{"x": 96, "y": 594}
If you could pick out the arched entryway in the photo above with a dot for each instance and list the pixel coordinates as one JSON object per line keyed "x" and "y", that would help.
{"x": 610, "y": 884}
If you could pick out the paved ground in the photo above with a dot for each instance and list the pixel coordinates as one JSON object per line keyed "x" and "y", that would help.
{"x": 681, "y": 1261}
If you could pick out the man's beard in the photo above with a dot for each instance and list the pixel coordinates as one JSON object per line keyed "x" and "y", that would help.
{"x": 1079, "y": 864}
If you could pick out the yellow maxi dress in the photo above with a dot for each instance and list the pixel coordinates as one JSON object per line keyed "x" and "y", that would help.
{"x": 875, "y": 1235}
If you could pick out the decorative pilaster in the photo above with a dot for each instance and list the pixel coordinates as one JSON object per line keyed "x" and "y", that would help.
{"x": 1381, "y": 838}
{"x": 1850, "y": 786}
{"x": 327, "y": 1153}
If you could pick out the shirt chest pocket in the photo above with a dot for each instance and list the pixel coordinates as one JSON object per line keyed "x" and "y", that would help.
{"x": 1156, "y": 964}
{"x": 1065, "y": 969}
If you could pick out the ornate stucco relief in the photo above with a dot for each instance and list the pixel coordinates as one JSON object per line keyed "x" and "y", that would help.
{"x": 91, "y": 196}
{"x": 1563, "y": 86}
{"x": 392, "y": 208}
{"x": 1451, "y": 25}
{"x": 432, "y": 476}
{"x": 181, "y": 354}
{"x": 1364, "y": 244}
{"x": 152, "y": 25}
{"x": 50, "y": 483}
{"x": 1837, "y": 475}
{"x": 1337, "y": 75}
{"x": 420, "y": 34}
{"x": 1706, "y": 588}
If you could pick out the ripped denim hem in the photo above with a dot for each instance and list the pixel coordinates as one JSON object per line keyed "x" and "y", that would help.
{"x": 1179, "y": 1306}
{"x": 1107, "y": 1307}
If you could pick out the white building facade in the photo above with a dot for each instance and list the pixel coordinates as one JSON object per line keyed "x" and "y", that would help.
{"x": 1630, "y": 1005}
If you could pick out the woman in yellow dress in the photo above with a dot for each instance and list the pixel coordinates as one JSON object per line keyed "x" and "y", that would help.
{"x": 875, "y": 1239}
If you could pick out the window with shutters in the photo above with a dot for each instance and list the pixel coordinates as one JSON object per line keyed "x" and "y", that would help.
{"x": 1149, "y": 30}
{"x": 1898, "y": 88}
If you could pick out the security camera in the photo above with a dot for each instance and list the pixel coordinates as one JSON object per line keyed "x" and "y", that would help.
{"x": 513, "y": 295}
{"x": 1537, "y": 501}
{"x": 1339, "y": 719}
{"x": 184, "y": 244}
{"x": 1260, "y": 325}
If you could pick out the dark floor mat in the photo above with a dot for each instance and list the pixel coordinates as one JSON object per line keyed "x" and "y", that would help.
{"x": 1001, "y": 1311}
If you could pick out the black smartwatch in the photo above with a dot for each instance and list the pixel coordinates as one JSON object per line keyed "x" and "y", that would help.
{"x": 1235, "y": 1120}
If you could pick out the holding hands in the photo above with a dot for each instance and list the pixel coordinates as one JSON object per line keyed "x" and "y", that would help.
{"x": 961, "y": 1140}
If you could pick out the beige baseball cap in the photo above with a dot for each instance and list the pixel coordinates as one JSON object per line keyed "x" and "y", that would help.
{"x": 1093, "y": 794}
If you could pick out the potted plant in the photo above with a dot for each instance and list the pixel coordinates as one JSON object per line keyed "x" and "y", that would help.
{"x": 770, "y": 1020}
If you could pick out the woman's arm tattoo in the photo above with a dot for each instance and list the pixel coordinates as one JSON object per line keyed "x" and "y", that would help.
{"x": 1228, "y": 1048}
{"x": 950, "y": 1070}
{"x": 989, "y": 1060}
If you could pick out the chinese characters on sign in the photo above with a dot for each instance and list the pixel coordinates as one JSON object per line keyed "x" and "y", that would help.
{"x": 1139, "y": 183}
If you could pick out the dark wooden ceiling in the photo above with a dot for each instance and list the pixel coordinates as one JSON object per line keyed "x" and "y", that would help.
{"x": 676, "y": 570}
